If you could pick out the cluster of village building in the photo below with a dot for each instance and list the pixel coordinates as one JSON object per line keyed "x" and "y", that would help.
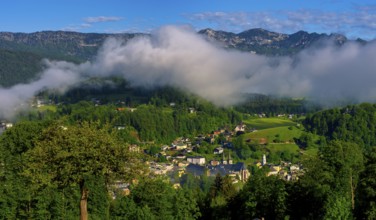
{"x": 285, "y": 170}
{"x": 198, "y": 165}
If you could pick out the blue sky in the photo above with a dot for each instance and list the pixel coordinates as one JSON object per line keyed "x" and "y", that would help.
{"x": 352, "y": 18}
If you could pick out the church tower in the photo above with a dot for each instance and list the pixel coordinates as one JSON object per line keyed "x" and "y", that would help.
{"x": 229, "y": 157}
{"x": 223, "y": 158}
{"x": 263, "y": 160}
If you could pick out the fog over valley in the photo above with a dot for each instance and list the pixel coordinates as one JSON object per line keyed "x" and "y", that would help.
{"x": 178, "y": 56}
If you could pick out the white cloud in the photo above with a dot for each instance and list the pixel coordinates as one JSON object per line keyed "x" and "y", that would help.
{"x": 179, "y": 57}
{"x": 58, "y": 76}
{"x": 77, "y": 27}
{"x": 102, "y": 19}
{"x": 90, "y": 21}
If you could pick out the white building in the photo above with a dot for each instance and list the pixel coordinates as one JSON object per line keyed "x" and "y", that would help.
{"x": 263, "y": 160}
{"x": 196, "y": 160}
{"x": 294, "y": 168}
{"x": 240, "y": 127}
{"x": 181, "y": 146}
{"x": 218, "y": 150}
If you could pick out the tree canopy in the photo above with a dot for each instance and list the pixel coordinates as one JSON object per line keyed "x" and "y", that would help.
{"x": 68, "y": 155}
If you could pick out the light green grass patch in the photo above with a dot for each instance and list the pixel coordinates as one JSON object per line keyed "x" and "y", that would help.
{"x": 282, "y": 134}
{"x": 52, "y": 108}
{"x": 311, "y": 151}
{"x": 292, "y": 148}
{"x": 265, "y": 123}
{"x": 167, "y": 110}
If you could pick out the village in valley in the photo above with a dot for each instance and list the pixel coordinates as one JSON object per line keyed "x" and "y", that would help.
{"x": 210, "y": 154}
{"x": 182, "y": 157}
{"x": 188, "y": 110}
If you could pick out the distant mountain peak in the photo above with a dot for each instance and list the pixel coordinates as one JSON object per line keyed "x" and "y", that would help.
{"x": 267, "y": 42}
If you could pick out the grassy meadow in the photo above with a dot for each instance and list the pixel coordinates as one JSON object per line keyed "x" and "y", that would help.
{"x": 277, "y": 135}
{"x": 265, "y": 123}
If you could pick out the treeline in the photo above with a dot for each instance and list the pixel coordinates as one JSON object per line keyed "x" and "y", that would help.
{"x": 153, "y": 123}
{"x": 168, "y": 113}
{"x": 120, "y": 91}
{"x": 157, "y": 121}
{"x": 114, "y": 89}
{"x": 355, "y": 123}
{"x": 272, "y": 105}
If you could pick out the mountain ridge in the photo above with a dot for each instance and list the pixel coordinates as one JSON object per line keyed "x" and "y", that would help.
{"x": 80, "y": 47}
{"x": 266, "y": 42}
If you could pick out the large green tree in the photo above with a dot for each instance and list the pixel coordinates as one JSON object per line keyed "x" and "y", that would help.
{"x": 262, "y": 196}
{"x": 69, "y": 155}
{"x": 366, "y": 201}
{"x": 346, "y": 161}
{"x": 15, "y": 189}
{"x": 329, "y": 183}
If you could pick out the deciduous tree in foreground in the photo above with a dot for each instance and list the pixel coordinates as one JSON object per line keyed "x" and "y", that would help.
{"x": 68, "y": 155}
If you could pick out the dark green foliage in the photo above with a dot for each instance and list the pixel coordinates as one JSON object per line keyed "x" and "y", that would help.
{"x": 125, "y": 208}
{"x": 242, "y": 150}
{"x": 305, "y": 140}
{"x": 15, "y": 193}
{"x": 201, "y": 186}
{"x": 99, "y": 199}
{"x": 356, "y": 123}
{"x": 155, "y": 194}
{"x": 87, "y": 111}
{"x": 156, "y": 199}
{"x": 330, "y": 182}
{"x": 262, "y": 196}
{"x": 272, "y": 106}
{"x": 366, "y": 201}
{"x": 21, "y": 53}
{"x": 223, "y": 187}
{"x": 18, "y": 67}
{"x": 20, "y": 198}
{"x": 39, "y": 177}
{"x": 214, "y": 205}
{"x": 60, "y": 45}
{"x": 185, "y": 205}
{"x": 153, "y": 123}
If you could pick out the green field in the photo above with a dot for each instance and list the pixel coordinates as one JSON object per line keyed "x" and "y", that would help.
{"x": 283, "y": 134}
{"x": 311, "y": 151}
{"x": 265, "y": 123}
{"x": 292, "y": 148}
{"x": 167, "y": 110}
{"x": 278, "y": 135}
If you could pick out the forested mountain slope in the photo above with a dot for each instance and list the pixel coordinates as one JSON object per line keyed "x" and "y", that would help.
{"x": 18, "y": 66}
{"x": 355, "y": 123}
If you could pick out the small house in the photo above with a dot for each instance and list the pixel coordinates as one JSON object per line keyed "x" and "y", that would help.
{"x": 240, "y": 127}
{"x": 181, "y": 146}
{"x": 218, "y": 150}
